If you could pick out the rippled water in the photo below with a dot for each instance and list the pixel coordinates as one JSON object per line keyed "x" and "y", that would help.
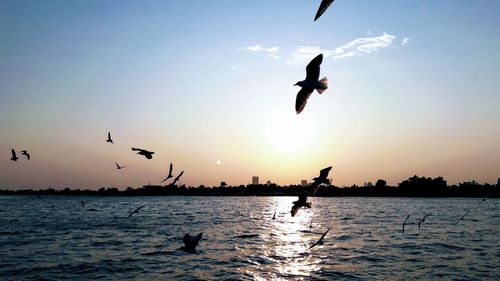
{"x": 55, "y": 238}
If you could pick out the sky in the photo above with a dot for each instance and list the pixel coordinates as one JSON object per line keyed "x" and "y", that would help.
{"x": 414, "y": 88}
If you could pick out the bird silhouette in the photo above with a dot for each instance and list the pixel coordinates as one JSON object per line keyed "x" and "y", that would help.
{"x": 118, "y": 167}
{"x": 274, "y": 216}
{"x": 109, "y": 138}
{"x": 25, "y": 153}
{"x": 311, "y": 83}
{"x": 147, "y": 154}
{"x": 190, "y": 243}
{"x": 136, "y": 211}
{"x": 169, "y": 173}
{"x": 403, "y": 230}
{"x": 423, "y": 220}
{"x": 83, "y": 203}
{"x": 14, "y": 156}
{"x": 461, "y": 218}
{"x": 322, "y": 8}
{"x": 320, "y": 241}
{"x": 317, "y": 182}
{"x": 177, "y": 178}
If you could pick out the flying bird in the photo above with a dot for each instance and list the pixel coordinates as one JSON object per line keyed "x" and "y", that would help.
{"x": 14, "y": 156}
{"x": 190, "y": 243}
{"x": 274, "y": 216}
{"x": 109, "y": 138}
{"x": 403, "y": 230}
{"x": 423, "y": 220}
{"x": 83, "y": 203}
{"x": 177, "y": 178}
{"x": 322, "y": 8}
{"x": 25, "y": 153}
{"x": 118, "y": 167}
{"x": 147, "y": 154}
{"x": 320, "y": 241}
{"x": 136, "y": 211}
{"x": 462, "y": 217}
{"x": 318, "y": 181}
{"x": 169, "y": 173}
{"x": 311, "y": 83}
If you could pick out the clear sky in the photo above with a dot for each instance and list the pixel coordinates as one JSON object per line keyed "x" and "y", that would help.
{"x": 414, "y": 89}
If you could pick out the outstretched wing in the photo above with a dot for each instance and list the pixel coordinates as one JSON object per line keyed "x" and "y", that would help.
{"x": 320, "y": 239}
{"x": 170, "y": 171}
{"x": 322, "y": 8}
{"x": 117, "y": 166}
{"x": 324, "y": 173}
{"x": 13, "y": 153}
{"x": 178, "y": 177}
{"x": 312, "y": 69}
{"x": 294, "y": 210}
{"x": 301, "y": 100}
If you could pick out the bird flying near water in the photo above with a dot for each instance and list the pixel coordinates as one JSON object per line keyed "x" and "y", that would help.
{"x": 322, "y": 8}
{"x": 311, "y": 83}
{"x": 318, "y": 181}
{"x": 136, "y": 211}
{"x": 169, "y": 173}
{"x": 320, "y": 241}
{"x": 14, "y": 156}
{"x": 109, "y": 138}
{"x": 404, "y": 223}
{"x": 423, "y": 220}
{"x": 147, "y": 154}
{"x": 190, "y": 243}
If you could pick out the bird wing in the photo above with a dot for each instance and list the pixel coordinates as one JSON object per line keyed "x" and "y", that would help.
{"x": 322, "y": 8}
{"x": 137, "y": 149}
{"x": 324, "y": 173}
{"x": 13, "y": 153}
{"x": 109, "y": 135}
{"x": 294, "y": 210}
{"x": 170, "y": 171}
{"x": 312, "y": 69}
{"x": 301, "y": 100}
{"x": 179, "y": 176}
{"x": 320, "y": 239}
{"x": 195, "y": 240}
{"x": 117, "y": 166}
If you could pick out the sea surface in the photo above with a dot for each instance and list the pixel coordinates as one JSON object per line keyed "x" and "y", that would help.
{"x": 57, "y": 238}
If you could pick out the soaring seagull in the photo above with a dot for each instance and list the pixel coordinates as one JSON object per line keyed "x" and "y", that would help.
{"x": 403, "y": 230}
{"x": 177, "y": 178}
{"x": 169, "y": 173}
{"x": 14, "y": 156}
{"x": 109, "y": 138}
{"x": 318, "y": 181}
{"x": 25, "y": 153}
{"x": 311, "y": 83}
{"x": 136, "y": 211}
{"x": 462, "y": 217}
{"x": 320, "y": 241}
{"x": 423, "y": 220}
{"x": 322, "y": 8}
{"x": 147, "y": 154}
{"x": 118, "y": 167}
{"x": 190, "y": 243}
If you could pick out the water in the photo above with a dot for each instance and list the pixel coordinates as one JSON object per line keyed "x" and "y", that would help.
{"x": 55, "y": 238}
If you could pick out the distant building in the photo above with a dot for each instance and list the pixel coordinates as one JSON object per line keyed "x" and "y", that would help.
{"x": 223, "y": 183}
{"x": 268, "y": 182}
{"x": 303, "y": 182}
{"x": 255, "y": 180}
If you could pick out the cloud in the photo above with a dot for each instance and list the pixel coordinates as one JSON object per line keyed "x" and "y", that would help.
{"x": 405, "y": 41}
{"x": 361, "y": 46}
{"x": 272, "y": 52}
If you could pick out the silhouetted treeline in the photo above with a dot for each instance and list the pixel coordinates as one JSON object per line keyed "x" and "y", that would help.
{"x": 412, "y": 187}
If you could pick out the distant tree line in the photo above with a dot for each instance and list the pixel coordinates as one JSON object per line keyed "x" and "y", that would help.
{"x": 412, "y": 187}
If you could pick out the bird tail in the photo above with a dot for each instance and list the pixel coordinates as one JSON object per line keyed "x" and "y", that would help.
{"x": 323, "y": 83}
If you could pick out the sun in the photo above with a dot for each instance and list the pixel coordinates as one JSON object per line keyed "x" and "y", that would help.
{"x": 290, "y": 132}
{"x": 218, "y": 162}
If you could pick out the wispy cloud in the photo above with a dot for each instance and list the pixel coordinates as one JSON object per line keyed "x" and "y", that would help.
{"x": 361, "y": 46}
{"x": 357, "y": 47}
{"x": 272, "y": 52}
